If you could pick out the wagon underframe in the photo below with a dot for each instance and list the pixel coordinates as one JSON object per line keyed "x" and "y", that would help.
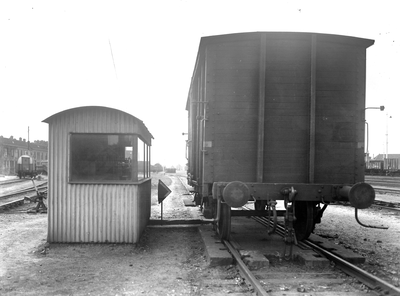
{"x": 302, "y": 202}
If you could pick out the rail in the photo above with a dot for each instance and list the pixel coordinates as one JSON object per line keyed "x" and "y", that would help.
{"x": 246, "y": 273}
{"x": 11, "y": 181}
{"x": 25, "y": 190}
{"x": 387, "y": 190}
{"x": 17, "y": 201}
{"x": 377, "y": 285}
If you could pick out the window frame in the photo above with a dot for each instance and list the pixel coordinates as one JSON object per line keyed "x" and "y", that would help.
{"x": 135, "y": 179}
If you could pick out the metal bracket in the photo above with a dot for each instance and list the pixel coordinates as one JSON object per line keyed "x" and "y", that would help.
{"x": 368, "y": 226}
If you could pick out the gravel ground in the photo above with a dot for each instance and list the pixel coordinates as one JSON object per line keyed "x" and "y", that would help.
{"x": 166, "y": 261}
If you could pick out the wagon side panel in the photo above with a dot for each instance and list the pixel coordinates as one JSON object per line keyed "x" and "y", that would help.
{"x": 194, "y": 149}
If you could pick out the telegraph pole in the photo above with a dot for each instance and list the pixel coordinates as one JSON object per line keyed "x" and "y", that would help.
{"x": 387, "y": 138}
{"x": 28, "y": 142}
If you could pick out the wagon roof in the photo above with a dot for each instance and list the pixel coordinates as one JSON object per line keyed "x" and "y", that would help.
{"x": 19, "y": 161}
{"x": 97, "y": 108}
{"x": 294, "y": 35}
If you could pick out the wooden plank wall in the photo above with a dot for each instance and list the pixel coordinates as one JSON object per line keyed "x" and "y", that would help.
{"x": 232, "y": 95}
{"x": 332, "y": 72}
{"x": 340, "y": 113}
{"x": 288, "y": 91}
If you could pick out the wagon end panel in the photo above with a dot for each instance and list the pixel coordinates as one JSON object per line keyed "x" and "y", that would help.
{"x": 230, "y": 139}
{"x": 340, "y": 92}
{"x": 287, "y": 100}
{"x": 278, "y": 107}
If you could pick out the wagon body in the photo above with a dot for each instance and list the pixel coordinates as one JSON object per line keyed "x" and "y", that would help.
{"x": 26, "y": 166}
{"x": 277, "y": 107}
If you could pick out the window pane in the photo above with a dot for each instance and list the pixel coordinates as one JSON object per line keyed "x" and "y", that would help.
{"x": 147, "y": 161}
{"x": 101, "y": 157}
{"x": 141, "y": 159}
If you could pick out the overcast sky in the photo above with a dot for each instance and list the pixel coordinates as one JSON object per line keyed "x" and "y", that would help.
{"x": 138, "y": 56}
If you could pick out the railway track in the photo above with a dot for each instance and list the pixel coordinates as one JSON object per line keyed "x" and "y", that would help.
{"x": 384, "y": 190}
{"x": 11, "y": 181}
{"x": 245, "y": 271}
{"x": 382, "y": 179}
{"x": 385, "y": 184}
{"x": 374, "y": 284}
{"x": 387, "y": 205}
{"x": 23, "y": 191}
{"x": 17, "y": 197}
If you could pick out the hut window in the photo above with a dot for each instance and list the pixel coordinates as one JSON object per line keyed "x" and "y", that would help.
{"x": 107, "y": 157}
{"x": 143, "y": 160}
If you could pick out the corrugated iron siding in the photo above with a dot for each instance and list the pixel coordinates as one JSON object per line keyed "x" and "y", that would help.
{"x": 92, "y": 212}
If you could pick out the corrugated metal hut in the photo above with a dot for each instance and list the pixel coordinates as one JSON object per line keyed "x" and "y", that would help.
{"x": 99, "y": 185}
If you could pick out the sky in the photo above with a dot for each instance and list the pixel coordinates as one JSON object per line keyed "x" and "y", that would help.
{"x": 138, "y": 57}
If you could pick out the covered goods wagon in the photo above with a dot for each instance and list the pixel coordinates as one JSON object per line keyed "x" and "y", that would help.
{"x": 278, "y": 116}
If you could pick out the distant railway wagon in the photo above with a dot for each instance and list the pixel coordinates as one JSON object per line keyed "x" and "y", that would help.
{"x": 278, "y": 116}
{"x": 41, "y": 167}
{"x": 26, "y": 167}
{"x": 386, "y": 167}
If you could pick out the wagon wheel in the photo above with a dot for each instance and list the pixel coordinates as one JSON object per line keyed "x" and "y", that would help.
{"x": 224, "y": 222}
{"x": 304, "y": 223}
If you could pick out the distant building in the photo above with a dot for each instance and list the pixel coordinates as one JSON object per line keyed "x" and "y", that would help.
{"x": 11, "y": 149}
{"x": 383, "y": 156}
{"x": 170, "y": 170}
{"x": 391, "y": 162}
